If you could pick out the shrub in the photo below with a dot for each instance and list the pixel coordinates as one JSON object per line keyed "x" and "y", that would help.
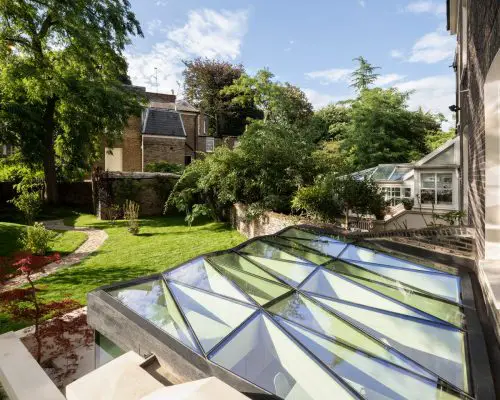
{"x": 131, "y": 213}
{"x": 125, "y": 189}
{"x": 164, "y": 166}
{"x": 37, "y": 238}
{"x": 407, "y": 203}
{"x": 29, "y": 203}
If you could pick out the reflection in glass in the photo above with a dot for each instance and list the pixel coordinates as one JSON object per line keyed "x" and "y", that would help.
{"x": 153, "y": 301}
{"x": 436, "y": 347}
{"x": 264, "y": 355}
{"x": 292, "y": 273}
{"x": 212, "y": 318}
{"x": 233, "y": 260}
{"x": 371, "y": 377}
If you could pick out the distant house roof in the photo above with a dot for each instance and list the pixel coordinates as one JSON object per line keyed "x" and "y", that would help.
{"x": 163, "y": 122}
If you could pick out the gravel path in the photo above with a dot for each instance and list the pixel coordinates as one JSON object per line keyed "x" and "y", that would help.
{"x": 95, "y": 238}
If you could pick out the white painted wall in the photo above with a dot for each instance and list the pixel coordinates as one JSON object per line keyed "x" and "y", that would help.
{"x": 113, "y": 159}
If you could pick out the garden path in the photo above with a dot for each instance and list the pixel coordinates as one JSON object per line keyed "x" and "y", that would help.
{"x": 95, "y": 238}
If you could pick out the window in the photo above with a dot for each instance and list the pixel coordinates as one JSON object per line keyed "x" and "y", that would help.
{"x": 436, "y": 188}
{"x": 407, "y": 192}
{"x": 187, "y": 160}
{"x": 392, "y": 194}
{"x": 7, "y": 150}
{"x": 105, "y": 350}
{"x": 209, "y": 145}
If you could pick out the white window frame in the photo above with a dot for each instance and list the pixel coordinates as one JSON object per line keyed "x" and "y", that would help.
{"x": 390, "y": 193}
{"x": 436, "y": 189}
{"x": 209, "y": 148}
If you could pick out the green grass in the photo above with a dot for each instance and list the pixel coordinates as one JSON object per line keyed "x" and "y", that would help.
{"x": 64, "y": 242}
{"x": 163, "y": 243}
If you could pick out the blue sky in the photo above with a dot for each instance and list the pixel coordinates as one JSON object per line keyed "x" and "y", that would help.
{"x": 309, "y": 44}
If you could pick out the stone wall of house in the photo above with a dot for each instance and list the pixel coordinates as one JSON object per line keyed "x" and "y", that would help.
{"x": 149, "y": 189}
{"x": 132, "y": 145}
{"x": 459, "y": 240}
{"x": 483, "y": 43}
{"x": 163, "y": 149}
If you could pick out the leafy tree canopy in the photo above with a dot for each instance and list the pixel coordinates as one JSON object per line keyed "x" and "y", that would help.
{"x": 204, "y": 80}
{"x": 282, "y": 103}
{"x": 364, "y": 75}
{"x": 61, "y": 79}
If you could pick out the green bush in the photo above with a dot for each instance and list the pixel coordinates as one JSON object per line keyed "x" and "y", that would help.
{"x": 164, "y": 166}
{"x": 131, "y": 213}
{"x": 37, "y": 238}
{"x": 29, "y": 203}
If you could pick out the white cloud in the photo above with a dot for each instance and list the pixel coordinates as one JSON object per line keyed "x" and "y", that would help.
{"x": 290, "y": 45}
{"x": 425, "y": 6}
{"x": 433, "y": 93}
{"x": 153, "y": 26}
{"x": 207, "y": 33}
{"x": 161, "y": 3}
{"x": 333, "y": 75}
{"x": 433, "y": 47}
{"x": 387, "y": 79}
{"x": 397, "y": 54}
{"x": 320, "y": 100}
{"x": 362, "y": 3}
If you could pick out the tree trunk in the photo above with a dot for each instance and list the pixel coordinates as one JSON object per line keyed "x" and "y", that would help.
{"x": 49, "y": 158}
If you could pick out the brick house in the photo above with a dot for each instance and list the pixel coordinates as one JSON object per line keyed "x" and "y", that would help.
{"x": 477, "y": 65}
{"x": 168, "y": 130}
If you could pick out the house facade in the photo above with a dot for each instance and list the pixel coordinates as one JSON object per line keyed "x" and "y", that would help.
{"x": 168, "y": 130}
{"x": 476, "y": 25}
{"x": 432, "y": 184}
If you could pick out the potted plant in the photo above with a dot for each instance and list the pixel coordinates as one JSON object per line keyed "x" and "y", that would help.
{"x": 407, "y": 203}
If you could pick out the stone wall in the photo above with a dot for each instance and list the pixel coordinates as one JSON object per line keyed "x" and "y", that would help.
{"x": 149, "y": 189}
{"x": 163, "y": 149}
{"x": 459, "y": 240}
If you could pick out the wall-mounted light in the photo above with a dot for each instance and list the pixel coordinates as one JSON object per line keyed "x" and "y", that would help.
{"x": 454, "y": 108}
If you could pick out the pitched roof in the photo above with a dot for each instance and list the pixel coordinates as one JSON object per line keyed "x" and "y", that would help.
{"x": 158, "y": 121}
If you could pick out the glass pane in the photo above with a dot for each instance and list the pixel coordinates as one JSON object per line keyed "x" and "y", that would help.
{"x": 153, "y": 301}
{"x": 445, "y": 311}
{"x": 264, "y": 249}
{"x": 407, "y": 192}
{"x": 264, "y": 355}
{"x": 233, "y": 260}
{"x": 399, "y": 173}
{"x": 298, "y": 250}
{"x": 372, "y": 378}
{"x": 212, "y": 318}
{"x": 260, "y": 290}
{"x": 427, "y": 196}
{"x": 438, "y": 348}
{"x": 333, "y": 248}
{"x": 441, "y": 285}
{"x": 303, "y": 311}
{"x": 105, "y": 350}
{"x": 383, "y": 172}
{"x": 338, "y": 287}
{"x": 444, "y": 196}
{"x": 444, "y": 181}
{"x": 356, "y": 253}
{"x": 290, "y": 272}
{"x": 200, "y": 274}
{"x": 428, "y": 181}
{"x": 299, "y": 233}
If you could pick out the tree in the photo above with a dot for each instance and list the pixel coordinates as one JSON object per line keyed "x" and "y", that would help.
{"x": 383, "y": 130}
{"x": 204, "y": 80}
{"x": 282, "y": 103}
{"x": 437, "y": 138}
{"x": 61, "y": 79}
{"x": 364, "y": 75}
{"x": 332, "y": 121}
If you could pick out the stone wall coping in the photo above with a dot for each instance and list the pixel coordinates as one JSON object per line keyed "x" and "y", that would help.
{"x": 21, "y": 376}
{"x": 140, "y": 175}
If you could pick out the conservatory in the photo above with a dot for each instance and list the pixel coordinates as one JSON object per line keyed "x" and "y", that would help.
{"x": 302, "y": 315}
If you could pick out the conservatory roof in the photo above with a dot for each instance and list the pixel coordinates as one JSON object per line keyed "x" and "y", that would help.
{"x": 385, "y": 172}
{"x": 300, "y": 314}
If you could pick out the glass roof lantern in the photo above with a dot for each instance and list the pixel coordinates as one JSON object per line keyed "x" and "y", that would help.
{"x": 303, "y": 315}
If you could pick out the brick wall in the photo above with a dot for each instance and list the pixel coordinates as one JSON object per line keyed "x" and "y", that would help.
{"x": 190, "y": 126}
{"x": 482, "y": 45}
{"x": 132, "y": 142}
{"x": 163, "y": 149}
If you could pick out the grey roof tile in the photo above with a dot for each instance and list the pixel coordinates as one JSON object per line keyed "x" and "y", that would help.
{"x": 162, "y": 122}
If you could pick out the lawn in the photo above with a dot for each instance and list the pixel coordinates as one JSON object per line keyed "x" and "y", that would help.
{"x": 163, "y": 243}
